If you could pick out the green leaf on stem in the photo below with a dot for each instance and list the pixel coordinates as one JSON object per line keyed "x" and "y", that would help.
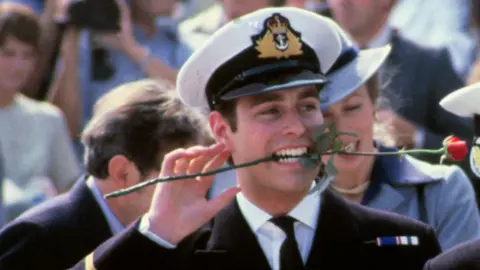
{"x": 324, "y": 143}
{"x": 319, "y": 131}
{"x": 330, "y": 168}
{"x": 308, "y": 163}
{"x": 337, "y": 145}
{"x": 332, "y": 129}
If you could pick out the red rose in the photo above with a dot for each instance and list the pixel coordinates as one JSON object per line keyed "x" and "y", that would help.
{"x": 456, "y": 149}
{"x": 450, "y": 139}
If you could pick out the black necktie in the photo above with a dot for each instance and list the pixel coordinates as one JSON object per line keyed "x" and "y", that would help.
{"x": 290, "y": 258}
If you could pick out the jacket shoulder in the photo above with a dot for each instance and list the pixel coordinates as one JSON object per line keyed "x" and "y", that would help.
{"x": 435, "y": 171}
{"x": 383, "y": 222}
{"x": 464, "y": 256}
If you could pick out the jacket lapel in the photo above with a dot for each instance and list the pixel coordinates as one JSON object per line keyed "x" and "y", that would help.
{"x": 336, "y": 236}
{"x": 88, "y": 215}
{"x": 232, "y": 243}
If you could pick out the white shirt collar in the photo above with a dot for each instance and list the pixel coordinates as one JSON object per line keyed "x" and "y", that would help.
{"x": 306, "y": 211}
{"x": 112, "y": 220}
{"x": 382, "y": 38}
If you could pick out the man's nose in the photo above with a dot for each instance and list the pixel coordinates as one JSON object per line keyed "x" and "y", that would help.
{"x": 295, "y": 125}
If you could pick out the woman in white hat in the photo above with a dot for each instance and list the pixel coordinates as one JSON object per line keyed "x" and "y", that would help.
{"x": 441, "y": 196}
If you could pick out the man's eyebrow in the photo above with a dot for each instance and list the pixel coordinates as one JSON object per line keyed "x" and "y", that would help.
{"x": 264, "y": 98}
{"x": 308, "y": 93}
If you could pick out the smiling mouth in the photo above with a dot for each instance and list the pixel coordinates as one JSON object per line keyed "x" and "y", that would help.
{"x": 291, "y": 155}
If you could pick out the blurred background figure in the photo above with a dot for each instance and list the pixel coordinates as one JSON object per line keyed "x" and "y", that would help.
{"x": 431, "y": 23}
{"x": 116, "y": 41}
{"x": 474, "y": 75}
{"x": 38, "y": 156}
{"x": 133, "y": 127}
{"x": 200, "y": 27}
{"x": 438, "y": 24}
{"x": 317, "y": 6}
{"x": 413, "y": 80}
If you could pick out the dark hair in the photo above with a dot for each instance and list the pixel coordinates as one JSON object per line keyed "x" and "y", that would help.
{"x": 142, "y": 121}
{"x": 21, "y": 22}
{"x": 373, "y": 88}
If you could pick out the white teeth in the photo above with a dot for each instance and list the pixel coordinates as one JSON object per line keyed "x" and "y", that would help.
{"x": 290, "y": 153}
{"x": 288, "y": 160}
{"x": 350, "y": 147}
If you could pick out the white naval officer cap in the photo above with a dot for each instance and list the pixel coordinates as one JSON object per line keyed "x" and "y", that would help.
{"x": 245, "y": 57}
{"x": 465, "y": 102}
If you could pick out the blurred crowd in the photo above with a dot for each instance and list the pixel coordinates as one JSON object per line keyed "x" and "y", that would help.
{"x": 59, "y": 58}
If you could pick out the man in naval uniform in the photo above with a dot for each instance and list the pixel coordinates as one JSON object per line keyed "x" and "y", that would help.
{"x": 265, "y": 78}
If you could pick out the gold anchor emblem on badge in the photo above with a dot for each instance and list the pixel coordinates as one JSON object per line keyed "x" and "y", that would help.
{"x": 278, "y": 39}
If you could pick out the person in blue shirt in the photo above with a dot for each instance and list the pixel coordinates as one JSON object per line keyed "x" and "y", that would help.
{"x": 92, "y": 63}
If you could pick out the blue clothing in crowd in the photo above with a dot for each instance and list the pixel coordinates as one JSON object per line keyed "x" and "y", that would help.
{"x": 439, "y": 195}
{"x": 164, "y": 46}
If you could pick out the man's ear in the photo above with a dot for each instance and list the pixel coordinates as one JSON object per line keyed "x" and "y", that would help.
{"x": 221, "y": 130}
{"x": 118, "y": 169}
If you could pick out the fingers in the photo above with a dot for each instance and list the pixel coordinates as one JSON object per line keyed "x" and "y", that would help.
{"x": 192, "y": 160}
{"x": 199, "y": 164}
{"x": 170, "y": 162}
{"x": 213, "y": 164}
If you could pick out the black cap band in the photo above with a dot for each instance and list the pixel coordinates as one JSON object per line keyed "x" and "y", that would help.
{"x": 263, "y": 70}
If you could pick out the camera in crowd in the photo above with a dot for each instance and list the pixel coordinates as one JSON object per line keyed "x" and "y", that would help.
{"x": 98, "y": 15}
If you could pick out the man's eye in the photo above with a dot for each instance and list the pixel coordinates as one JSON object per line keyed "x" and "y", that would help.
{"x": 269, "y": 111}
{"x": 309, "y": 107}
{"x": 353, "y": 108}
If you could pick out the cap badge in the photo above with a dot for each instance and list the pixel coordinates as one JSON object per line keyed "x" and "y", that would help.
{"x": 277, "y": 39}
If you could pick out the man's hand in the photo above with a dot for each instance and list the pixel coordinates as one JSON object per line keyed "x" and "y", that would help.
{"x": 180, "y": 207}
{"x": 400, "y": 129}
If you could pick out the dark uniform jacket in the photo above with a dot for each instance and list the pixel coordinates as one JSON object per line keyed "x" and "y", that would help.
{"x": 345, "y": 238}
{"x": 56, "y": 234}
